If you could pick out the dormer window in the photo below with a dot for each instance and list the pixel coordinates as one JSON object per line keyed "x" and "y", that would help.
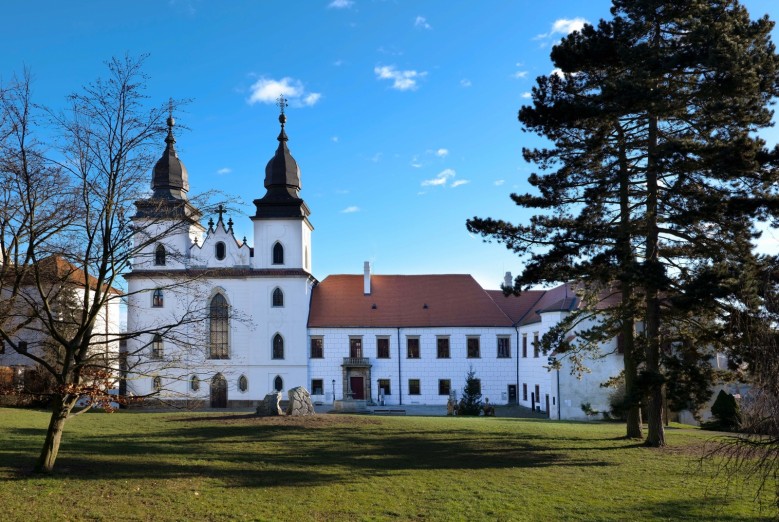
{"x": 220, "y": 251}
{"x": 278, "y": 254}
{"x": 159, "y": 256}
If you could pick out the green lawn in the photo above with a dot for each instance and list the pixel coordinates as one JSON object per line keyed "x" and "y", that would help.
{"x": 185, "y": 466}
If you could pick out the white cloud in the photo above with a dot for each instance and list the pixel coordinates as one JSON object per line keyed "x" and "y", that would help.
{"x": 520, "y": 74}
{"x": 401, "y": 80}
{"x": 465, "y": 82}
{"x": 459, "y": 182}
{"x": 563, "y": 26}
{"x": 340, "y": 4}
{"x": 499, "y": 182}
{"x": 338, "y": 63}
{"x": 267, "y": 90}
{"x": 442, "y": 153}
{"x": 567, "y": 26}
{"x": 224, "y": 170}
{"x": 334, "y": 139}
{"x": 557, "y": 72}
{"x": 350, "y": 210}
{"x": 421, "y": 22}
{"x": 440, "y": 179}
{"x": 415, "y": 161}
{"x": 376, "y": 157}
{"x": 527, "y": 95}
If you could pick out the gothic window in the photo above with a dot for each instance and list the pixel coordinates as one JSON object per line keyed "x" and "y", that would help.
{"x": 218, "y": 327}
{"x": 156, "y": 383}
{"x": 156, "y": 299}
{"x": 278, "y": 383}
{"x": 243, "y": 383}
{"x": 220, "y": 250}
{"x": 159, "y": 256}
{"x": 194, "y": 383}
{"x": 278, "y": 347}
{"x": 278, "y": 298}
{"x": 278, "y": 254}
{"x": 157, "y": 350}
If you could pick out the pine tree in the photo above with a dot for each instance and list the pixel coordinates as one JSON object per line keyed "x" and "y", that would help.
{"x": 470, "y": 404}
{"x": 654, "y": 177}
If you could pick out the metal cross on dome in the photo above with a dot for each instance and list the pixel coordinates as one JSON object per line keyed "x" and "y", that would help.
{"x": 281, "y": 103}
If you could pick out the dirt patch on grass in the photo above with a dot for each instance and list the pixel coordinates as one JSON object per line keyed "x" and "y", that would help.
{"x": 311, "y": 421}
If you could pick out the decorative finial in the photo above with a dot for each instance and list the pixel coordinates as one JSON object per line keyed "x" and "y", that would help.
{"x": 281, "y": 103}
{"x": 170, "y": 140}
{"x": 244, "y": 240}
{"x": 210, "y": 224}
{"x": 221, "y": 211}
{"x": 230, "y": 225}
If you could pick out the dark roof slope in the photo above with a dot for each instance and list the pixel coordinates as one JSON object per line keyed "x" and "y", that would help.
{"x": 403, "y": 301}
{"x": 517, "y": 307}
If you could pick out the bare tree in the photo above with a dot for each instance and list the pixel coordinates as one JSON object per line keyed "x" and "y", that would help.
{"x": 69, "y": 183}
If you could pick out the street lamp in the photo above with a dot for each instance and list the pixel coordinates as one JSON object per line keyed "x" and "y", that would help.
{"x": 333, "y": 391}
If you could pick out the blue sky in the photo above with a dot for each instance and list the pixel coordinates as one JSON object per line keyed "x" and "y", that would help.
{"x": 402, "y": 114}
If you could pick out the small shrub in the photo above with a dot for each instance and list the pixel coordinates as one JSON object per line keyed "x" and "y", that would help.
{"x": 470, "y": 404}
{"x": 725, "y": 412}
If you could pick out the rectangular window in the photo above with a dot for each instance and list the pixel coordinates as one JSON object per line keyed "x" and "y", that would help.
{"x": 413, "y": 387}
{"x": 317, "y": 348}
{"x": 538, "y": 394}
{"x": 355, "y": 347}
{"x": 382, "y": 348}
{"x": 524, "y": 345}
{"x": 384, "y": 385}
{"x": 442, "y": 344}
{"x": 536, "y": 345}
{"x": 412, "y": 345}
{"x": 317, "y": 387}
{"x": 524, "y": 391}
{"x": 444, "y": 386}
{"x": 473, "y": 348}
{"x": 504, "y": 347}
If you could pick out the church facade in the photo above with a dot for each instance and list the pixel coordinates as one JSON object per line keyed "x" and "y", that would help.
{"x": 226, "y": 323}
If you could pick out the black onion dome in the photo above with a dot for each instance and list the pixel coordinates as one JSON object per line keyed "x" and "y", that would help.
{"x": 282, "y": 183}
{"x": 169, "y": 177}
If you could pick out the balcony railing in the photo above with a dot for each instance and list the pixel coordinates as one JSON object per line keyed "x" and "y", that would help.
{"x": 357, "y": 362}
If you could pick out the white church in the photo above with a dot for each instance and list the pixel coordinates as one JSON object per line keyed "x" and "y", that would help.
{"x": 269, "y": 325}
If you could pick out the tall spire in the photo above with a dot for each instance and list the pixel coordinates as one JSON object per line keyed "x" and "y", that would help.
{"x": 282, "y": 179}
{"x": 169, "y": 177}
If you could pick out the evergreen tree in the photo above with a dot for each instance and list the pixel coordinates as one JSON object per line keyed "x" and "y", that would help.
{"x": 654, "y": 177}
{"x": 470, "y": 404}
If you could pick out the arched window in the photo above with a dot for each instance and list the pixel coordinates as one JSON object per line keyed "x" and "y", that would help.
{"x": 159, "y": 256}
{"x": 156, "y": 383}
{"x": 220, "y": 250}
{"x": 157, "y": 349}
{"x": 278, "y": 254}
{"x": 218, "y": 328}
{"x": 278, "y": 297}
{"x": 156, "y": 299}
{"x": 278, "y": 383}
{"x": 194, "y": 383}
{"x": 243, "y": 383}
{"x": 278, "y": 347}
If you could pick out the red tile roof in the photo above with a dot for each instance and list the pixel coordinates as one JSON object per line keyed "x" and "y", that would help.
{"x": 56, "y": 269}
{"x": 517, "y": 307}
{"x": 452, "y": 301}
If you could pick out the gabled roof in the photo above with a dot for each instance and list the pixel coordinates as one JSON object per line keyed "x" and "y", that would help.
{"x": 517, "y": 307}
{"x": 56, "y": 269}
{"x": 404, "y": 301}
{"x": 558, "y": 299}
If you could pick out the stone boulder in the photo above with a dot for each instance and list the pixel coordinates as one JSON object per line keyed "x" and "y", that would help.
{"x": 299, "y": 402}
{"x": 270, "y": 405}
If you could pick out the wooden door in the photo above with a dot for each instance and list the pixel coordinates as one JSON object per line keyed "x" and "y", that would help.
{"x": 358, "y": 388}
{"x": 218, "y": 392}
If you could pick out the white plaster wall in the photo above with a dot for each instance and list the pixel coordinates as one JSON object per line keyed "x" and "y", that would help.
{"x": 294, "y": 234}
{"x": 177, "y": 239}
{"x": 495, "y": 373}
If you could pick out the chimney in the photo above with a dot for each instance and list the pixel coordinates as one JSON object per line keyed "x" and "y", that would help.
{"x": 367, "y": 279}
{"x": 508, "y": 281}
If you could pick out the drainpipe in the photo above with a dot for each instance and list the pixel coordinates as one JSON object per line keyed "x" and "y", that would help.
{"x": 516, "y": 354}
{"x": 558, "y": 395}
{"x": 400, "y": 386}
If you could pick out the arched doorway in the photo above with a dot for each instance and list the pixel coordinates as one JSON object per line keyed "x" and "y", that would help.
{"x": 218, "y": 391}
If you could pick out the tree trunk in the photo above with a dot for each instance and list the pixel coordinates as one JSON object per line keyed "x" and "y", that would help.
{"x": 61, "y": 410}
{"x": 653, "y": 276}
{"x": 624, "y": 247}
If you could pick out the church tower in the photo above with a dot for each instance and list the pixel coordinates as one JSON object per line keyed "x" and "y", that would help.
{"x": 282, "y": 231}
{"x": 166, "y": 224}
